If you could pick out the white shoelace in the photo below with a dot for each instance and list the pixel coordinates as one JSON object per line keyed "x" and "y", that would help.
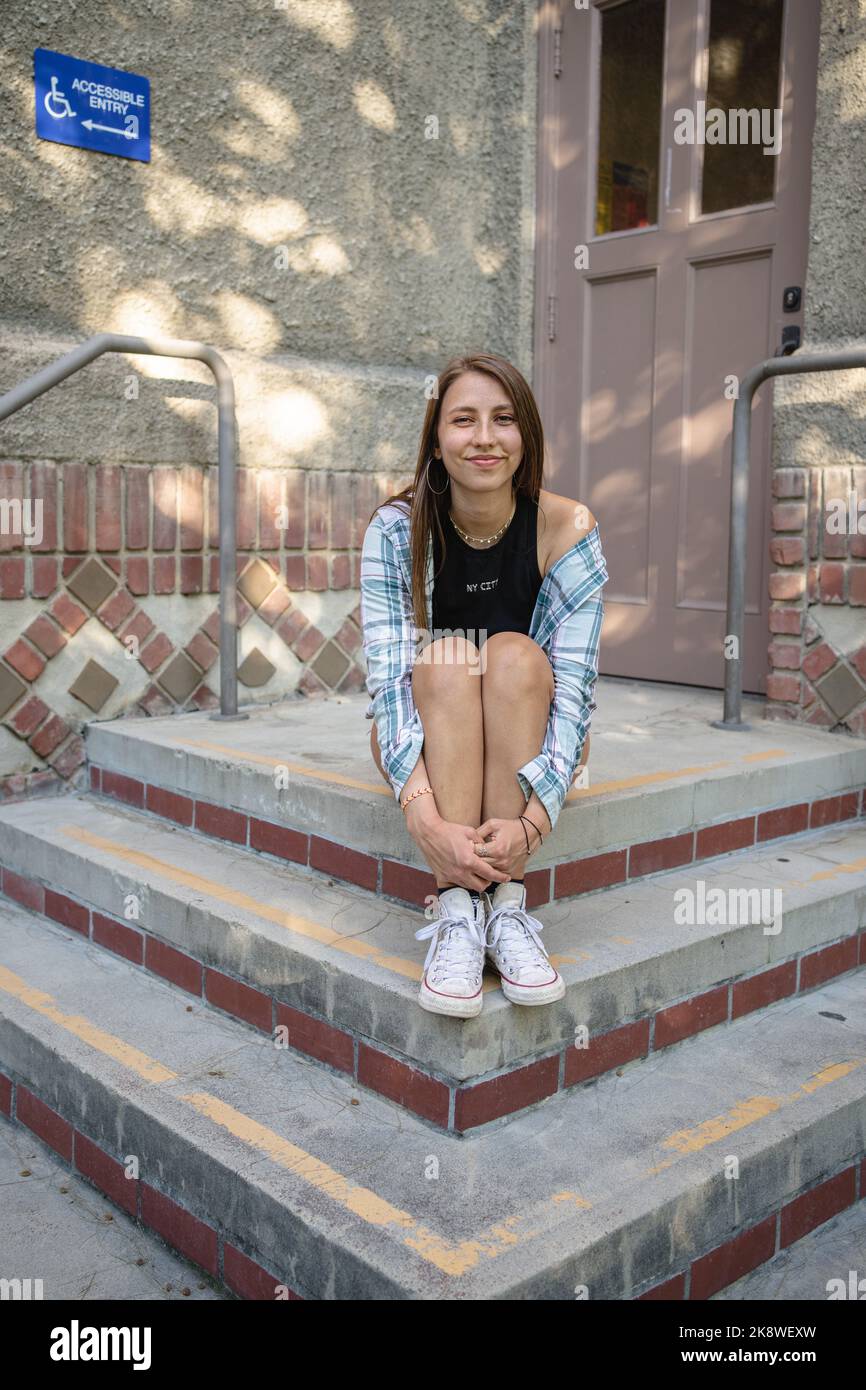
{"x": 516, "y": 933}
{"x": 460, "y": 943}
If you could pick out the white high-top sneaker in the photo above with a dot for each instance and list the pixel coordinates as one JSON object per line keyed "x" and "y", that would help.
{"x": 455, "y": 960}
{"x": 515, "y": 948}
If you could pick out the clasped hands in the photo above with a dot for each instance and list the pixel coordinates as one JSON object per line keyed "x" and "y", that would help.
{"x": 468, "y": 856}
{"x": 504, "y": 842}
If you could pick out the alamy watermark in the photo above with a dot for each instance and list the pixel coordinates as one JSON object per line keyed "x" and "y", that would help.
{"x": 737, "y": 126}
{"x": 729, "y": 907}
{"x": 20, "y": 1290}
{"x": 77, "y": 1343}
{"x": 846, "y": 515}
{"x": 469, "y": 649}
{"x": 17, "y": 518}
{"x": 855, "y": 1288}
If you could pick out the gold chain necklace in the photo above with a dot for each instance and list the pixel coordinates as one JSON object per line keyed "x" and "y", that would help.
{"x": 484, "y": 540}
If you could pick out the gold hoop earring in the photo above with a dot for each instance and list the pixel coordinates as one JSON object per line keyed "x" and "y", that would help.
{"x": 437, "y": 492}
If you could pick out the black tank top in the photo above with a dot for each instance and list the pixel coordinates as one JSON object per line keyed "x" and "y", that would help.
{"x": 493, "y": 590}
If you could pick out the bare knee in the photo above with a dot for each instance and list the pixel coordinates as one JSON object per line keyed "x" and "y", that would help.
{"x": 448, "y": 667}
{"x": 516, "y": 666}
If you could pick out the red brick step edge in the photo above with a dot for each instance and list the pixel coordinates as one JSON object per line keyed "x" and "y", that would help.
{"x": 443, "y": 1102}
{"x": 408, "y": 884}
{"x": 211, "y": 1250}
{"x": 203, "y": 1245}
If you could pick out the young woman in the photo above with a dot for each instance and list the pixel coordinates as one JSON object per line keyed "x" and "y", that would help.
{"x": 481, "y": 609}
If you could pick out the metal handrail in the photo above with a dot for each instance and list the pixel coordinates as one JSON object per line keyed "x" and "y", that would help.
{"x": 773, "y": 366}
{"x": 80, "y": 356}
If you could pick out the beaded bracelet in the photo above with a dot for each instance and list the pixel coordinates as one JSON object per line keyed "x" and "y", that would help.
{"x": 411, "y": 797}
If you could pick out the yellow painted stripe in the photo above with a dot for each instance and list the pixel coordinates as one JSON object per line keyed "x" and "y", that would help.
{"x": 339, "y": 779}
{"x": 668, "y": 774}
{"x": 854, "y": 866}
{"x": 747, "y": 1112}
{"x": 352, "y": 946}
{"x": 300, "y": 926}
{"x": 597, "y": 789}
{"x": 103, "y": 1042}
{"x": 452, "y": 1258}
{"x": 763, "y": 754}
{"x": 359, "y": 1200}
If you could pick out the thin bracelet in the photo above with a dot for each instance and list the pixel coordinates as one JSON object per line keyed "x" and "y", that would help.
{"x": 525, "y": 836}
{"x": 411, "y": 797}
{"x": 535, "y": 828}
{"x": 528, "y": 850}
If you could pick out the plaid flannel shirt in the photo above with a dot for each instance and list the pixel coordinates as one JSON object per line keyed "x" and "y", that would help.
{"x": 566, "y": 624}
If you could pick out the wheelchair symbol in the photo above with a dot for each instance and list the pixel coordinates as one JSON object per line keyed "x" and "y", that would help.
{"x": 59, "y": 98}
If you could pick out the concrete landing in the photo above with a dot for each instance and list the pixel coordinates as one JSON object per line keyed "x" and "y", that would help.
{"x": 58, "y": 1229}
{"x": 657, "y": 768}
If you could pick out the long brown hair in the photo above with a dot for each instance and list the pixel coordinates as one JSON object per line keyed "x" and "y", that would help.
{"x": 428, "y": 505}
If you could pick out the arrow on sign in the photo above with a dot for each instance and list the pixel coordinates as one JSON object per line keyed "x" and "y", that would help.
{"x": 112, "y": 130}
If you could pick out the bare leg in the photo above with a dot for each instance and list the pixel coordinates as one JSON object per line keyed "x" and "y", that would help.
{"x": 478, "y": 730}
{"x": 516, "y": 690}
{"x": 446, "y": 686}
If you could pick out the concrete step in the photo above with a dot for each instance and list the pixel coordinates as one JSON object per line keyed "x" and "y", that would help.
{"x": 671, "y": 1181}
{"x": 71, "y": 1244}
{"x": 338, "y": 968}
{"x": 666, "y": 788}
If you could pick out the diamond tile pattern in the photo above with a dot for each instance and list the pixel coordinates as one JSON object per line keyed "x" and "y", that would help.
{"x": 93, "y": 686}
{"x": 255, "y": 669}
{"x": 92, "y": 583}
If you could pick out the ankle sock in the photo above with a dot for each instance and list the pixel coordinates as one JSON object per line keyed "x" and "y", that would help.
{"x": 472, "y": 891}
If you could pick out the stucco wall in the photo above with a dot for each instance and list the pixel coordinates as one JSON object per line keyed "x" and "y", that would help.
{"x": 818, "y": 587}
{"x": 294, "y": 215}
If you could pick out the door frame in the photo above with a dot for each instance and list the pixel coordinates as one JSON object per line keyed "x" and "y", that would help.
{"x": 549, "y": 22}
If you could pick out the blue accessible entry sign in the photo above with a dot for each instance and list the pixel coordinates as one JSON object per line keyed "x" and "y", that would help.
{"x": 93, "y": 107}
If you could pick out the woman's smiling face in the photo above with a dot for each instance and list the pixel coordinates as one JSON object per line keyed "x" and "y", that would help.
{"x": 479, "y": 438}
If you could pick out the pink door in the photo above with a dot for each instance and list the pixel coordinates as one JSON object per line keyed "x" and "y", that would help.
{"x": 673, "y": 217}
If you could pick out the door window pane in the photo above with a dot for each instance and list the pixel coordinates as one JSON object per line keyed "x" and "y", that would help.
{"x": 629, "y": 118}
{"x": 743, "y": 78}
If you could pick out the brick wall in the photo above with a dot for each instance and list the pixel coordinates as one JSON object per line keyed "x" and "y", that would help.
{"x": 79, "y": 642}
{"x": 818, "y": 610}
